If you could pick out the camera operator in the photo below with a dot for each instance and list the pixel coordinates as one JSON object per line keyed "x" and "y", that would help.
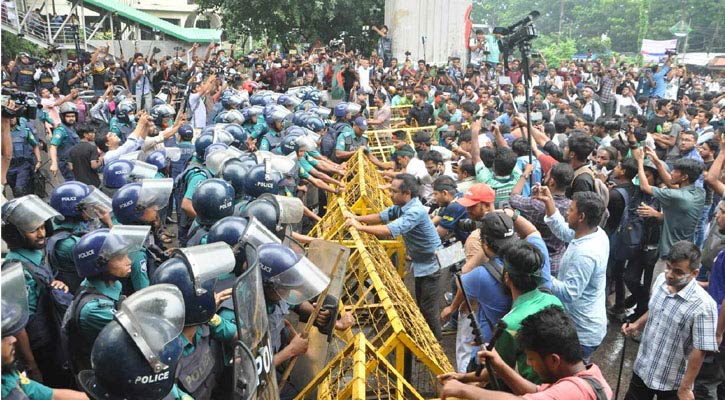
{"x": 478, "y": 48}
{"x": 385, "y": 44}
{"x": 140, "y": 72}
{"x": 45, "y": 75}
{"x": 98, "y": 69}
{"x": 114, "y": 76}
{"x": 22, "y": 74}
{"x": 163, "y": 74}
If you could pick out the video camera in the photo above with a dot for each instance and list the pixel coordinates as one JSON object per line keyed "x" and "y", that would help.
{"x": 519, "y": 33}
{"x": 26, "y": 104}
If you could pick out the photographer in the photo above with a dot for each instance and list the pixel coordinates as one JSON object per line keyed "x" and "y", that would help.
{"x": 385, "y": 44}
{"x": 114, "y": 76}
{"x": 140, "y": 72}
{"x": 45, "y": 76}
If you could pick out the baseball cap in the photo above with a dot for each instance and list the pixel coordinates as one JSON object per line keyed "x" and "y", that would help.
{"x": 498, "y": 228}
{"x": 362, "y": 123}
{"x": 477, "y": 193}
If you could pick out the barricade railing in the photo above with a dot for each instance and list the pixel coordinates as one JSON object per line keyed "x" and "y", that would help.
{"x": 383, "y": 308}
{"x": 397, "y": 113}
{"x": 380, "y": 142}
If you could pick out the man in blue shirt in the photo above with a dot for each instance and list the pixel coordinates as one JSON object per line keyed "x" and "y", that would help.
{"x": 658, "y": 76}
{"x": 409, "y": 218}
{"x": 580, "y": 284}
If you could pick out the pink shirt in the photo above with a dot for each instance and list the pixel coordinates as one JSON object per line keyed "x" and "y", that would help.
{"x": 572, "y": 388}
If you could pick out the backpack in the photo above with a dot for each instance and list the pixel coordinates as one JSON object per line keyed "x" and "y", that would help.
{"x": 596, "y": 386}
{"x": 332, "y": 133}
{"x": 180, "y": 185}
{"x": 627, "y": 239}
{"x": 600, "y": 188}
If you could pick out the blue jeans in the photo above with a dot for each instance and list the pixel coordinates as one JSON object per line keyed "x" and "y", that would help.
{"x": 587, "y": 352}
{"x": 699, "y": 238}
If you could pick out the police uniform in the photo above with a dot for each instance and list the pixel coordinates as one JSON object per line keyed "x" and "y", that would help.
{"x": 271, "y": 140}
{"x": 201, "y": 362}
{"x": 24, "y": 78}
{"x": 17, "y": 386}
{"x": 64, "y": 138}
{"x": 198, "y": 234}
{"x": 307, "y": 164}
{"x": 255, "y": 130}
{"x": 193, "y": 176}
{"x": 349, "y": 141}
{"x": 187, "y": 152}
{"x": 97, "y": 313}
{"x": 45, "y": 81}
{"x": 60, "y": 252}
{"x": 22, "y": 165}
{"x": 121, "y": 129}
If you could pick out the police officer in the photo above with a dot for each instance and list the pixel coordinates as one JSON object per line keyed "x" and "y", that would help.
{"x": 124, "y": 123}
{"x": 212, "y": 200}
{"x": 350, "y": 140}
{"x": 26, "y": 157}
{"x": 186, "y": 134}
{"x": 275, "y": 125}
{"x": 15, "y": 384}
{"x": 235, "y": 172}
{"x": 64, "y": 138}
{"x": 307, "y": 171}
{"x": 24, "y": 230}
{"x": 186, "y": 183}
{"x": 344, "y": 113}
{"x": 23, "y": 74}
{"x": 101, "y": 258}
{"x": 138, "y": 204}
{"x": 84, "y": 209}
{"x": 254, "y": 122}
{"x": 195, "y": 271}
{"x": 142, "y": 366}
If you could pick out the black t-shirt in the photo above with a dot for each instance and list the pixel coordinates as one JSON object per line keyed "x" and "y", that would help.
{"x": 81, "y": 156}
{"x": 117, "y": 75}
{"x": 348, "y": 78}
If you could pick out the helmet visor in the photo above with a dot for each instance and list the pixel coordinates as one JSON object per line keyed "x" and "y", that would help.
{"x": 153, "y": 317}
{"x": 173, "y": 154}
{"x": 301, "y": 282}
{"x": 222, "y": 136}
{"x": 207, "y": 262}
{"x": 115, "y": 245}
{"x": 155, "y": 192}
{"x": 15, "y": 312}
{"x": 215, "y": 161}
{"x": 96, "y": 204}
{"x": 323, "y": 112}
{"x": 256, "y": 234}
{"x": 28, "y": 213}
{"x": 291, "y": 209}
{"x": 353, "y": 108}
{"x": 143, "y": 170}
{"x": 137, "y": 236}
{"x": 282, "y": 164}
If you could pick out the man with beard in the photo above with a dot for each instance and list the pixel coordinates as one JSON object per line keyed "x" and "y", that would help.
{"x": 15, "y": 384}
{"x": 679, "y": 329}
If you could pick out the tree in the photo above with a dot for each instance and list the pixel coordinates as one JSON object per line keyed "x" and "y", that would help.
{"x": 289, "y": 22}
{"x": 13, "y": 44}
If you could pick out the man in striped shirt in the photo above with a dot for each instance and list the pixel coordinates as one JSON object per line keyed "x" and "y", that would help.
{"x": 679, "y": 329}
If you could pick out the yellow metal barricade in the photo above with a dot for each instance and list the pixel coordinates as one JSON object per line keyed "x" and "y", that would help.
{"x": 397, "y": 113}
{"x": 381, "y": 141}
{"x": 362, "y": 187}
{"x": 358, "y": 372}
{"x": 383, "y": 308}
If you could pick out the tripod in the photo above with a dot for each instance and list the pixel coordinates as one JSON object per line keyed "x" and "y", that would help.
{"x": 525, "y": 49}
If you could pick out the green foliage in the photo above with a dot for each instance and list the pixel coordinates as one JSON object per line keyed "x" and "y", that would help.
{"x": 553, "y": 52}
{"x": 12, "y": 45}
{"x": 291, "y": 22}
{"x": 625, "y": 22}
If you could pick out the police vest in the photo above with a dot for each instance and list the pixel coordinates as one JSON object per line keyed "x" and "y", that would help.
{"x": 273, "y": 139}
{"x": 181, "y": 183}
{"x": 65, "y": 271}
{"x": 354, "y": 142}
{"x": 187, "y": 151}
{"x": 26, "y": 82}
{"x": 46, "y": 81}
{"x": 17, "y": 394}
{"x": 196, "y": 234}
{"x": 197, "y": 373}
{"x": 79, "y": 349}
{"x": 123, "y": 130}
{"x": 22, "y": 149}
{"x": 73, "y": 139}
{"x": 41, "y": 332}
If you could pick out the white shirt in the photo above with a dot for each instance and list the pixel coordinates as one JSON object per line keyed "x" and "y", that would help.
{"x": 364, "y": 78}
{"x": 198, "y": 119}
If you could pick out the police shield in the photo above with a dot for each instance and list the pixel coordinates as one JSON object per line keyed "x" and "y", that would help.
{"x": 252, "y": 328}
{"x": 143, "y": 170}
{"x": 256, "y": 234}
{"x": 15, "y": 312}
{"x": 155, "y": 192}
{"x": 282, "y": 164}
{"x": 331, "y": 258}
{"x": 96, "y": 204}
{"x": 173, "y": 154}
{"x": 289, "y": 209}
{"x": 136, "y": 236}
{"x": 153, "y": 317}
{"x": 207, "y": 262}
{"x": 215, "y": 161}
{"x": 245, "y": 373}
{"x": 28, "y": 213}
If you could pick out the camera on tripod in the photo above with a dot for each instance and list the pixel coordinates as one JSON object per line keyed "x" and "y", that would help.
{"x": 522, "y": 32}
{"x": 26, "y": 104}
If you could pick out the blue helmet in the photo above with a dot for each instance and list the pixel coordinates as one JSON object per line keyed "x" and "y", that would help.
{"x": 161, "y": 113}
{"x": 195, "y": 271}
{"x": 158, "y": 159}
{"x": 261, "y": 179}
{"x": 131, "y": 202}
{"x": 235, "y": 172}
{"x": 117, "y": 174}
{"x": 314, "y": 96}
{"x": 67, "y": 108}
{"x": 213, "y": 200}
{"x": 201, "y": 143}
{"x": 233, "y": 116}
{"x": 186, "y": 132}
{"x": 294, "y": 277}
{"x": 315, "y": 124}
{"x": 289, "y": 143}
{"x": 95, "y": 249}
{"x": 240, "y": 135}
{"x": 265, "y": 212}
{"x": 341, "y": 110}
{"x": 136, "y": 354}
{"x": 67, "y": 197}
{"x": 288, "y": 101}
{"x": 125, "y": 107}
{"x": 208, "y": 130}
{"x": 305, "y": 105}
{"x": 230, "y": 230}
{"x": 157, "y": 102}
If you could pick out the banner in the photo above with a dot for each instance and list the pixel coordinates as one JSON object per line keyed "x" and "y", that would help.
{"x": 653, "y": 50}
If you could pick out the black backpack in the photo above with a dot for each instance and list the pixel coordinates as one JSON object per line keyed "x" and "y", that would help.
{"x": 332, "y": 133}
{"x": 626, "y": 240}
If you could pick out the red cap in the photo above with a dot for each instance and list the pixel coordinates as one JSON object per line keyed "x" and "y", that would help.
{"x": 478, "y": 193}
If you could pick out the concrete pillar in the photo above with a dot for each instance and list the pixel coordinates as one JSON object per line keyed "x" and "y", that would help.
{"x": 441, "y": 22}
